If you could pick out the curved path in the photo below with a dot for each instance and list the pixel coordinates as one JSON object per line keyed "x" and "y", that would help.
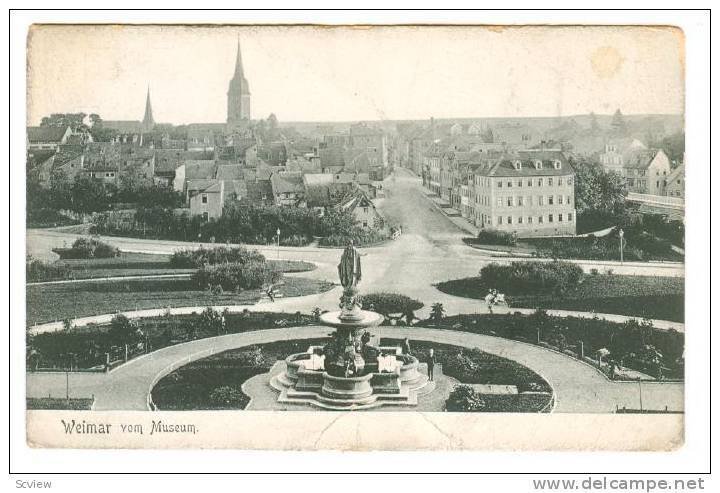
{"x": 579, "y": 388}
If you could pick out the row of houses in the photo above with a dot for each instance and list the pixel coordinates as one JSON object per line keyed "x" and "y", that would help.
{"x": 646, "y": 171}
{"x": 241, "y": 169}
{"x": 528, "y": 192}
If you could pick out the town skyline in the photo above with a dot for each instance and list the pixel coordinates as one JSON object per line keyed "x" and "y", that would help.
{"x": 290, "y": 89}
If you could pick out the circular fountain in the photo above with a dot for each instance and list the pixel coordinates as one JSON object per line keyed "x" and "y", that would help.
{"x": 349, "y": 371}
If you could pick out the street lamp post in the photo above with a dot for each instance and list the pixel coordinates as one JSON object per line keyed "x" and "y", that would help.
{"x": 621, "y": 234}
{"x": 278, "y": 243}
{"x": 640, "y": 390}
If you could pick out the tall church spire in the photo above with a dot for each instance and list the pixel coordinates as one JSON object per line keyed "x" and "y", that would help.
{"x": 238, "y": 62}
{"x": 148, "y": 121}
{"x": 238, "y": 93}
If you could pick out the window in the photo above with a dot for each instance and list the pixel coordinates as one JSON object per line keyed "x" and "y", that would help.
{"x": 364, "y": 224}
{"x": 499, "y": 202}
{"x": 499, "y": 220}
{"x": 550, "y": 218}
{"x": 559, "y": 182}
{"x": 538, "y": 164}
{"x": 204, "y": 198}
{"x": 499, "y": 183}
{"x": 509, "y": 201}
{"x": 550, "y": 199}
{"x": 520, "y": 201}
{"x": 569, "y": 181}
{"x": 509, "y": 219}
{"x": 520, "y": 220}
{"x": 556, "y": 163}
{"x": 529, "y": 182}
{"x": 550, "y": 182}
{"x": 206, "y": 216}
{"x": 509, "y": 184}
{"x": 569, "y": 217}
{"x": 365, "y": 210}
{"x": 559, "y": 218}
{"x": 518, "y": 165}
{"x": 541, "y": 200}
{"x": 560, "y": 200}
{"x": 519, "y": 183}
{"x": 529, "y": 219}
{"x": 540, "y": 182}
{"x": 540, "y": 219}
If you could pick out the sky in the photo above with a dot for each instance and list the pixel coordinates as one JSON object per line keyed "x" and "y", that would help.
{"x": 303, "y": 73}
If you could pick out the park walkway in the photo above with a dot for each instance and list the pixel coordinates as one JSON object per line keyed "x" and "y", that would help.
{"x": 578, "y": 387}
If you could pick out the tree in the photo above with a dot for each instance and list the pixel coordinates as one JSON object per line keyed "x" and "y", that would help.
{"x": 73, "y": 120}
{"x": 437, "y": 313}
{"x": 599, "y": 194}
{"x": 212, "y": 322}
{"x": 124, "y": 331}
{"x": 89, "y": 195}
{"x": 674, "y": 147}
{"x": 618, "y": 124}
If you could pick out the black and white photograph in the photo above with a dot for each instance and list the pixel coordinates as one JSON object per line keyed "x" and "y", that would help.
{"x": 379, "y": 237}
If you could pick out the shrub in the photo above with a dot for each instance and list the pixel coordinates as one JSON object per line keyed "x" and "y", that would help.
{"x": 84, "y": 248}
{"x": 226, "y": 396}
{"x": 464, "y": 399}
{"x": 387, "y": 303}
{"x": 237, "y": 276}
{"x": 187, "y": 259}
{"x": 495, "y": 237}
{"x": 531, "y": 277}
{"x": 294, "y": 241}
{"x": 359, "y": 236}
{"x": 37, "y": 270}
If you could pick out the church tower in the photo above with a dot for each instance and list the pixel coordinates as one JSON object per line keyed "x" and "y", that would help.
{"x": 238, "y": 94}
{"x": 148, "y": 122}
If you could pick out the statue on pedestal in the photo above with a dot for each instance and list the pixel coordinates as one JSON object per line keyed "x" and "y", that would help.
{"x": 350, "y": 273}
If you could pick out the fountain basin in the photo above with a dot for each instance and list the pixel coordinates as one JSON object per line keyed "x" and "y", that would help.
{"x": 309, "y": 380}
{"x": 347, "y": 388}
{"x": 386, "y": 383}
{"x": 361, "y": 319}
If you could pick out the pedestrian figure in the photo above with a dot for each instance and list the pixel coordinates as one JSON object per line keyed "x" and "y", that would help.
{"x": 406, "y": 346}
{"x": 270, "y": 294}
{"x": 490, "y": 300}
{"x": 431, "y": 365}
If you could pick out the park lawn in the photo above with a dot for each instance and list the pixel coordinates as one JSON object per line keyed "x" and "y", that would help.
{"x": 50, "y": 302}
{"x": 149, "y": 264}
{"x": 58, "y": 403}
{"x": 189, "y": 387}
{"x": 127, "y": 264}
{"x": 655, "y": 297}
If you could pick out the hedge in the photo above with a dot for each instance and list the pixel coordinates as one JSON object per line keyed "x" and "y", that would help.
{"x": 495, "y": 237}
{"x": 532, "y": 277}
{"x": 196, "y": 258}
{"x": 37, "y": 270}
{"x": 237, "y": 276}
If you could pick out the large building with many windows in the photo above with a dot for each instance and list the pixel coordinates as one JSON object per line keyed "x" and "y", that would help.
{"x": 530, "y": 193}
